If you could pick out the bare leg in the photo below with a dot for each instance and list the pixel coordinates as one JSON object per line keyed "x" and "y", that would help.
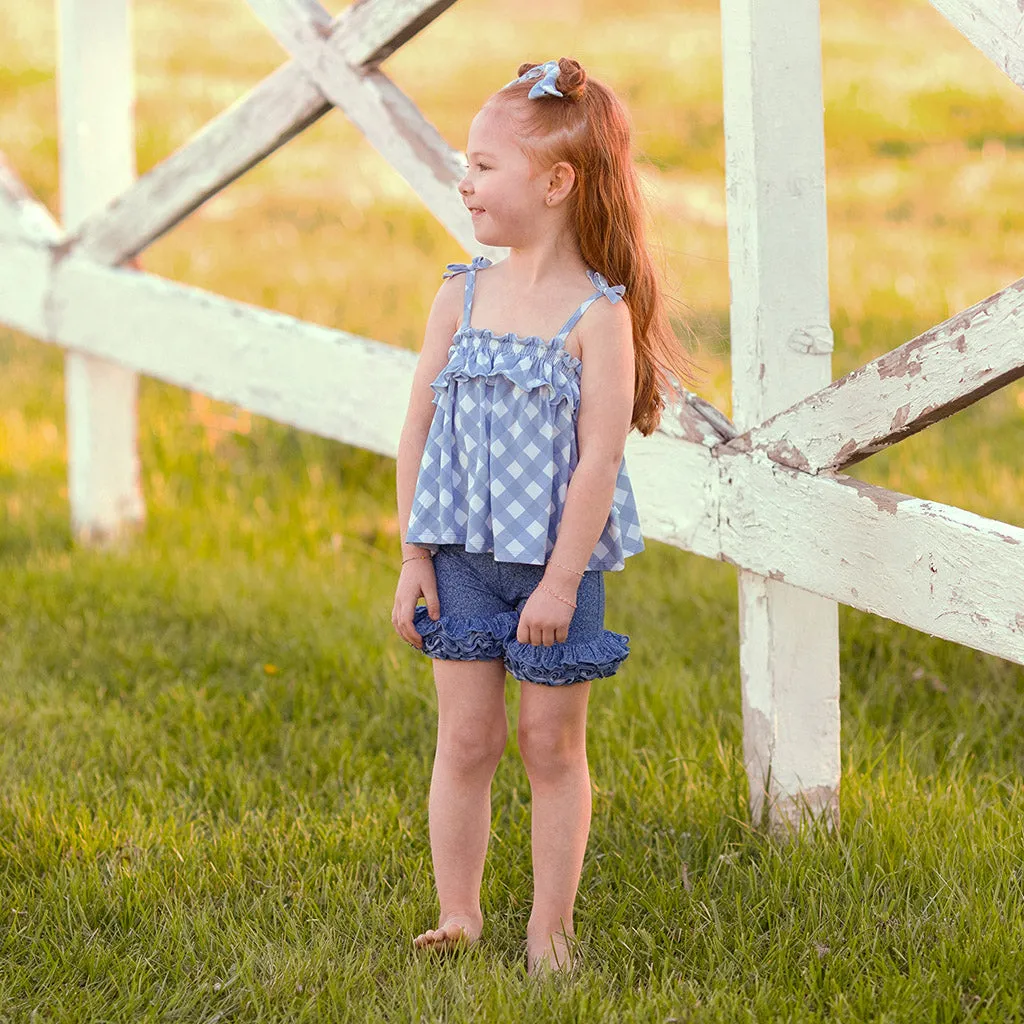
{"x": 471, "y": 732}
{"x": 553, "y": 742}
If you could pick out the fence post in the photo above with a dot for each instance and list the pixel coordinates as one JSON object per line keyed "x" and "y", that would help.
{"x": 97, "y": 162}
{"x": 781, "y": 345}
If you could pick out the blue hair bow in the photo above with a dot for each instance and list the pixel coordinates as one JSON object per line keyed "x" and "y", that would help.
{"x": 613, "y": 292}
{"x": 548, "y": 75}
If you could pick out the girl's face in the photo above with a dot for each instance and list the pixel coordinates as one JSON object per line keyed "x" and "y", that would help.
{"x": 503, "y": 190}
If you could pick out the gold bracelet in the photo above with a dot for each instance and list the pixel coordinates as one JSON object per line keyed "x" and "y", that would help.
{"x": 566, "y": 568}
{"x": 412, "y": 558}
{"x": 564, "y": 600}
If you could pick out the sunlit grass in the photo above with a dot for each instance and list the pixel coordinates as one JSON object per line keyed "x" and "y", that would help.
{"x": 214, "y": 753}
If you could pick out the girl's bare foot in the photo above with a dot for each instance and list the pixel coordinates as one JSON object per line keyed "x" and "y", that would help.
{"x": 455, "y": 930}
{"x": 553, "y": 954}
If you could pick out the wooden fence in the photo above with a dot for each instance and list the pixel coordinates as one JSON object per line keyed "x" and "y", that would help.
{"x": 767, "y": 495}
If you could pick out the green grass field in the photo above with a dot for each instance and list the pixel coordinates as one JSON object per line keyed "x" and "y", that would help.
{"x": 215, "y": 753}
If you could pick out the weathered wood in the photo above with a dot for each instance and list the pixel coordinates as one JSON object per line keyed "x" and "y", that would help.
{"x": 720, "y": 424}
{"x": 933, "y": 567}
{"x": 781, "y": 341}
{"x": 994, "y": 27}
{"x": 24, "y": 271}
{"x": 22, "y": 215}
{"x": 381, "y": 111}
{"x": 945, "y": 369}
{"x": 322, "y": 380}
{"x": 375, "y": 29}
{"x": 97, "y": 161}
{"x": 275, "y": 111}
{"x": 939, "y": 569}
{"x": 24, "y": 284}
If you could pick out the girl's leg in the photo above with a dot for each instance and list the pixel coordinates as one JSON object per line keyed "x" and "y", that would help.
{"x": 471, "y": 732}
{"x": 553, "y": 742}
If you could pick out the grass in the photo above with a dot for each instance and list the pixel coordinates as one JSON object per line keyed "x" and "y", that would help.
{"x": 214, "y": 753}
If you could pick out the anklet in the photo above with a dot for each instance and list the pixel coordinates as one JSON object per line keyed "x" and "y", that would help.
{"x": 564, "y": 600}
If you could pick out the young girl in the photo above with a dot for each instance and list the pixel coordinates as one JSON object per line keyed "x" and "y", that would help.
{"x": 513, "y": 495}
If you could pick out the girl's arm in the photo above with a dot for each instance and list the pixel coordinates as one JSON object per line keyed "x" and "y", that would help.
{"x": 605, "y": 413}
{"x": 442, "y": 322}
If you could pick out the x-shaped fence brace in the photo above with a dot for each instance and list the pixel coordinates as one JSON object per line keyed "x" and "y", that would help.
{"x": 771, "y": 500}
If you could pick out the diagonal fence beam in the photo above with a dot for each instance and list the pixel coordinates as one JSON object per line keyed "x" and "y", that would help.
{"x": 994, "y": 27}
{"x": 941, "y": 371}
{"x": 276, "y": 110}
{"x": 22, "y": 215}
{"x": 380, "y": 110}
{"x": 27, "y": 230}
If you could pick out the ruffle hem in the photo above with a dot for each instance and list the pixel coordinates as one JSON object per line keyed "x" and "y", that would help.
{"x": 566, "y": 663}
{"x": 479, "y": 638}
{"x": 476, "y": 638}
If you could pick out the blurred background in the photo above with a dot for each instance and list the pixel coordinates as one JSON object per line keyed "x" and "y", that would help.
{"x": 215, "y": 751}
{"x": 925, "y": 159}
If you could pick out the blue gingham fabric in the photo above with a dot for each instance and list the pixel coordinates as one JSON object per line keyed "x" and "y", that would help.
{"x": 502, "y": 445}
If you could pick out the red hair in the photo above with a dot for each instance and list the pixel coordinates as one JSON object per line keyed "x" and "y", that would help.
{"x": 588, "y": 128}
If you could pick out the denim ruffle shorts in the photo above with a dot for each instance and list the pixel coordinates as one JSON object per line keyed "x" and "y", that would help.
{"x": 480, "y": 600}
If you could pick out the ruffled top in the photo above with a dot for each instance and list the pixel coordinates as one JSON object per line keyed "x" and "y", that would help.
{"x": 502, "y": 445}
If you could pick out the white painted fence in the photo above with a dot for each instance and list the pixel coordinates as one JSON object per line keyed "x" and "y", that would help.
{"x": 767, "y": 495}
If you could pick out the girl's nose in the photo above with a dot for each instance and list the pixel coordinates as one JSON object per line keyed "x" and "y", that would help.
{"x": 464, "y": 188}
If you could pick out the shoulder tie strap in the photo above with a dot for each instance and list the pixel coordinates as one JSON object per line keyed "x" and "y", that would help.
{"x": 613, "y": 293}
{"x": 469, "y": 269}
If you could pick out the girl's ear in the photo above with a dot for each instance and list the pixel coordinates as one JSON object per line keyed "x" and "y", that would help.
{"x": 561, "y": 180}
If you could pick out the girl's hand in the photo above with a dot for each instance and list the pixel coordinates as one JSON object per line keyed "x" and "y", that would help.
{"x": 417, "y": 580}
{"x": 544, "y": 618}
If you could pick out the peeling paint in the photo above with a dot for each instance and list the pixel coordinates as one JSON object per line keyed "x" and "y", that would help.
{"x": 882, "y": 499}
{"x": 715, "y": 418}
{"x": 900, "y": 419}
{"x": 901, "y": 362}
{"x": 818, "y": 803}
{"x": 61, "y": 250}
{"x": 844, "y": 454}
{"x": 789, "y": 455}
{"x": 757, "y": 754}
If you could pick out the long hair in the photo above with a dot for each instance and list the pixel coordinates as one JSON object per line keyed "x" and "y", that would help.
{"x": 588, "y": 128}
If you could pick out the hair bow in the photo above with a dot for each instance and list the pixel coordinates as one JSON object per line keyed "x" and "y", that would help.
{"x": 600, "y": 282}
{"x": 548, "y": 75}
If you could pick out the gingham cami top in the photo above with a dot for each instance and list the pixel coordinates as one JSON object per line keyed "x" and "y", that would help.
{"x": 502, "y": 445}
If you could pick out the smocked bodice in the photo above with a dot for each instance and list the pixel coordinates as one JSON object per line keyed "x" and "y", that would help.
{"x": 502, "y": 445}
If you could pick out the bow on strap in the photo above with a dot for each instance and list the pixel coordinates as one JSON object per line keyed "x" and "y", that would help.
{"x": 548, "y": 75}
{"x": 600, "y": 282}
{"x": 479, "y": 262}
